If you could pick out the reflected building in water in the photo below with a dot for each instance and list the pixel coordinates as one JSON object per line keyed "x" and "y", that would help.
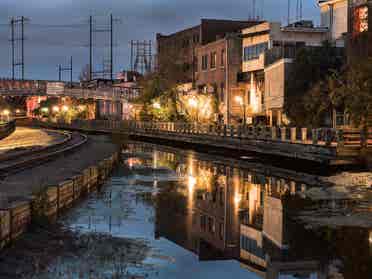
{"x": 221, "y": 212}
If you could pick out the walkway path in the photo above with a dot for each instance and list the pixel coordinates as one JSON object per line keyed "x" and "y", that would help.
{"x": 28, "y": 138}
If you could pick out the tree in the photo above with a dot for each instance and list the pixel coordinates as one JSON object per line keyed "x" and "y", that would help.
{"x": 310, "y": 70}
{"x": 352, "y": 90}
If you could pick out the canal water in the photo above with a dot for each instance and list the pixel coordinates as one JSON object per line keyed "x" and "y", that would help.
{"x": 171, "y": 213}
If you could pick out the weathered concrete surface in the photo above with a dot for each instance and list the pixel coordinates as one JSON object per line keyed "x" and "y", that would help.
{"x": 24, "y": 183}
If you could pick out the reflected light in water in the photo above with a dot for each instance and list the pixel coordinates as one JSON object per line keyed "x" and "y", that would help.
{"x": 370, "y": 238}
{"x": 237, "y": 198}
{"x": 191, "y": 182}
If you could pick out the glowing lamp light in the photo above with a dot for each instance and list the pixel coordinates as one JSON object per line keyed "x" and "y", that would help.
{"x": 239, "y": 100}
{"x": 237, "y": 199}
{"x": 18, "y": 111}
{"x": 191, "y": 183}
{"x": 81, "y": 107}
{"x": 193, "y": 103}
{"x": 6, "y": 112}
{"x": 55, "y": 109}
{"x": 156, "y": 105}
{"x": 65, "y": 108}
{"x": 45, "y": 110}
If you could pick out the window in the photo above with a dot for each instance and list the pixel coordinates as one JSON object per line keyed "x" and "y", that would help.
{"x": 196, "y": 38}
{"x": 213, "y": 60}
{"x": 360, "y": 20}
{"x": 203, "y": 222}
{"x": 223, "y": 52}
{"x": 222, "y": 92}
{"x": 204, "y": 62}
{"x": 211, "y": 225}
{"x": 196, "y": 64}
{"x": 254, "y": 52}
{"x": 249, "y": 97}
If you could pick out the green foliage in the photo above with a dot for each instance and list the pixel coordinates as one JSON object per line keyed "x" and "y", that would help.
{"x": 352, "y": 90}
{"x": 306, "y": 83}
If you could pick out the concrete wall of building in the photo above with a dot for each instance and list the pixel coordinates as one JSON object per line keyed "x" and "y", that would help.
{"x": 276, "y": 76}
{"x": 334, "y": 16}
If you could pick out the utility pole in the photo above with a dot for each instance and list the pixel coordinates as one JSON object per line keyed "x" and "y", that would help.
{"x": 289, "y": 12}
{"x": 13, "y": 47}
{"x": 111, "y": 48}
{"x": 90, "y": 47}
{"x": 63, "y": 69}
{"x": 20, "y": 23}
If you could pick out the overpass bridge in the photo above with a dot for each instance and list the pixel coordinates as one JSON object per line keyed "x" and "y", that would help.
{"x": 28, "y": 88}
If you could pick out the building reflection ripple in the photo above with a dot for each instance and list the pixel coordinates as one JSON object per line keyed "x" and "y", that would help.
{"x": 220, "y": 211}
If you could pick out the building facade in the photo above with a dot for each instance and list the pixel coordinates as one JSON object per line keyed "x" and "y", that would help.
{"x": 334, "y": 16}
{"x": 218, "y": 64}
{"x": 180, "y": 47}
{"x": 268, "y": 51}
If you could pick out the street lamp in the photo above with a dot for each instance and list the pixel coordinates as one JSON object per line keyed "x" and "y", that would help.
{"x": 55, "y": 109}
{"x": 156, "y": 105}
{"x": 241, "y": 102}
{"x": 6, "y": 113}
{"x": 65, "y": 108}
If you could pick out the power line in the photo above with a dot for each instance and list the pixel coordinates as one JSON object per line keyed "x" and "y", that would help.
{"x": 62, "y": 69}
{"x": 18, "y": 24}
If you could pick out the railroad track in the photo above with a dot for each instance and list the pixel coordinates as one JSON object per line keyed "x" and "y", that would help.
{"x": 39, "y": 157}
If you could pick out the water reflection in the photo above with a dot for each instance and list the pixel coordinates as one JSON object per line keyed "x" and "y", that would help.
{"x": 219, "y": 212}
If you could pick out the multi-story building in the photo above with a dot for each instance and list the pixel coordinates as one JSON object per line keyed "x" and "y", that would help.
{"x": 268, "y": 51}
{"x": 180, "y": 47}
{"x": 334, "y": 15}
{"x": 218, "y": 64}
{"x": 359, "y": 27}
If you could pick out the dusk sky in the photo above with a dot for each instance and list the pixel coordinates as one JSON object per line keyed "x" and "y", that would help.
{"x": 59, "y": 28}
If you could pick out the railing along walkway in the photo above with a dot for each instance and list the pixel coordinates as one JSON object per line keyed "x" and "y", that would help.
{"x": 321, "y": 145}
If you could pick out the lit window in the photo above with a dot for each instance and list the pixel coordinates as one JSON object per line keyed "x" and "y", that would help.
{"x": 213, "y": 60}
{"x": 360, "y": 20}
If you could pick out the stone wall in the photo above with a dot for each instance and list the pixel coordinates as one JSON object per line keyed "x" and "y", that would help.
{"x": 18, "y": 216}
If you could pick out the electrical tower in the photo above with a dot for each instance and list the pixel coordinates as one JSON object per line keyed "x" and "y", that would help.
{"x": 62, "y": 69}
{"x": 141, "y": 56}
{"x": 17, "y": 28}
{"x": 107, "y": 70}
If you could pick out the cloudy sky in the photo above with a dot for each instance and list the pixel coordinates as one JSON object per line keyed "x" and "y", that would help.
{"x": 59, "y": 29}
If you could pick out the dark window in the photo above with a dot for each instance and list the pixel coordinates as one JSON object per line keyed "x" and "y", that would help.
{"x": 213, "y": 60}
{"x": 196, "y": 65}
{"x": 253, "y": 52}
{"x": 204, "y": 62}
{"x": 223, "y": 58}
{"x": 249, "y": 97}
{"x": 221, "y": 231}
{"x": 203, "y": 222}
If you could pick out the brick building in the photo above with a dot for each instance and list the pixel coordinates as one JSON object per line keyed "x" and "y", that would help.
{"x": 180, "y": 47}
{"x": 218, "y": 64}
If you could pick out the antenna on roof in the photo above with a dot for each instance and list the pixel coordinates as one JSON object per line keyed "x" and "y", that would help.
{"x": 289, "y": 12}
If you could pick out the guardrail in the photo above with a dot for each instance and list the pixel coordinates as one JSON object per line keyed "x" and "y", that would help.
{"x": 317, "y": 137}
{"x": 7, "y": 128}
{"x": 324, "y": 145}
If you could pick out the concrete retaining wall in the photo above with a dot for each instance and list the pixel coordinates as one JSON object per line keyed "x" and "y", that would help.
{"x": 16, "y": 218}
